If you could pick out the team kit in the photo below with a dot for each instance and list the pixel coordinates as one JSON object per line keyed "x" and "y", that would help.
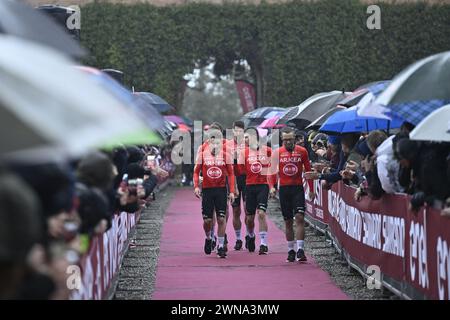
{"x": 244, "y": 171}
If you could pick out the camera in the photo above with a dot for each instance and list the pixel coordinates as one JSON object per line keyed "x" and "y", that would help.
{"x": 70, "y": 230}
{"x": 133, "y": 185}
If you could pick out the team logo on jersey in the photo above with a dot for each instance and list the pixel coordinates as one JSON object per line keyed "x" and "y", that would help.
{"x": 214, "y": 172}
{"x": 256, "y": 167}
{"x": 290, "y": 169}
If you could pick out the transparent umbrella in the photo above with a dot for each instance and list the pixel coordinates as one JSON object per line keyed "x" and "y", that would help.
{"x": 48, "y": 108}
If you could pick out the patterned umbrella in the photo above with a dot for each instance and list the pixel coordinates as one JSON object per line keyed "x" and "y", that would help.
{"x": 419, "y": 89}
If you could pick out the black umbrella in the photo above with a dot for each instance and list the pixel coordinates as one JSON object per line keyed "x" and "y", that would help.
{"x": 353, "y": 98}
{"x": 22, "y": 21}
{"x": 159, "y": 103}
{"x": 312, "y": 108}
{"x": 316, "y": 124}
{"x": 257, "y": 116}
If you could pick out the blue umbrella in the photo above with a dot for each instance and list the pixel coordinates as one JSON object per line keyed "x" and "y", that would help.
{"x": 349, "y": 121}
{"x": 159, "y": 103}
{"x": 142, "y": 107}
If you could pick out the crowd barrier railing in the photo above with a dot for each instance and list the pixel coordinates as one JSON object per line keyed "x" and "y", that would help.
{"x": 101, "y": 264}
{"x": 408, "y": 253}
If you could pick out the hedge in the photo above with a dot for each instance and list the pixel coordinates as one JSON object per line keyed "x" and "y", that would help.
{"x": 300, "y": 48}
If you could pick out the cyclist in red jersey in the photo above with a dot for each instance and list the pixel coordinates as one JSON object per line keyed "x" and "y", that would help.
{"x": 214, "y": 164}
{"x": 289, "y": 161}
{"x": 228, "y": 148}
{"x": 256, "y": 162}
{"x": 237, "y": 145}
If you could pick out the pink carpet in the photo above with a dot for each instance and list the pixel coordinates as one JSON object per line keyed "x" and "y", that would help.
{"x": 184, "y": 272}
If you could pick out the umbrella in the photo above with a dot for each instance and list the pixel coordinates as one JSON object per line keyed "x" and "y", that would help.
{"x": 419, "y": 89}
{"x": 372, "y": 86}
{"x": 159, "y": 103}
{"x": 367, "y": 108}
{"x": 353, "y": 98}
{"x": 187, "y": 121}
{"x": 24, "y": 22}
{"x": 257, "y": 116}
{"x": 348, "y": 120}
{"x": 312, "y": 108}
{"x": 184, "y": 127}
{"x": 435, "y": 127}
{"x": 50, "y": 108}
{"x": 316, "y": 124}
{"x": 260, "y": 112}
{"x": 175, "y": 119}
{"x": 141, "y": 106}
{"x": 271, "y": 123}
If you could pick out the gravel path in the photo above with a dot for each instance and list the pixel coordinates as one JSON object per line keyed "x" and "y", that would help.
{"x": 137, "y": 275}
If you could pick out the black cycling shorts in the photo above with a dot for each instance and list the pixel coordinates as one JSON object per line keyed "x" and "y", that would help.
{"x": 292, "y": 201}
{"x": 256, "y": 197}
{"x": 214, "y": 199}
{"x": 240, "y": 181}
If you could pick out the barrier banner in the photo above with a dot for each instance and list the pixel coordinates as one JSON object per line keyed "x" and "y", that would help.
{"x": 101, "y": 264}
{"x": 370, "y": 231}
{"x": 412, "y": 249}
{"x": 428, "y": 259}
{"x": 318, "y": 208}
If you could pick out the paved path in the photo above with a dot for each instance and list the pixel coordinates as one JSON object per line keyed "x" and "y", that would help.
{"x": 185, "y": 272}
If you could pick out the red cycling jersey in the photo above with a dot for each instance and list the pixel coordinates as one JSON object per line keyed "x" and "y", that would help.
{"x": 231, "y": 147}
{"x": 214, "y": 168}
{"x": 290, "y": 166}
{"x": 256, "y": 164}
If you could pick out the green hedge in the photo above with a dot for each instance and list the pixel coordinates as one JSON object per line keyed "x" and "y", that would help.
{"x": 301, "y": 48}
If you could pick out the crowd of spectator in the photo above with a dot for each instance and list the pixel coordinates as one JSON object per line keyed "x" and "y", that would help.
{"x": 377, "y": 163}
{"x": 51, "y": 211}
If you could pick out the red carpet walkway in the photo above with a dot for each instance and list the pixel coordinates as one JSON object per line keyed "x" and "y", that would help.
{"x": 184, "y": 272}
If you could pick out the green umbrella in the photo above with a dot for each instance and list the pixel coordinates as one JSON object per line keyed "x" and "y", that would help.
{"x": 140, "y": 137}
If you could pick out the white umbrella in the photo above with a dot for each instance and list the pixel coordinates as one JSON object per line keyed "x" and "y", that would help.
{"x": 435, "y": 127}
{"x": 367, "y": 108}
{"x": 48, "y": 107}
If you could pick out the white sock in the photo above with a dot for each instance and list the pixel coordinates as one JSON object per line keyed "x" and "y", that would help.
{"x": 212, "y": 233}
{"x": 301, "y": 244}
{"x": 221, "y": 241}
{"x": 291, "y": 245}
{"x": 251, "y": 234}
{"x": 238, "y": 234}
{"x": 263, "y": 236}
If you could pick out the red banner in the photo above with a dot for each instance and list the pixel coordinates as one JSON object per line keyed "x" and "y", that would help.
{"x": 317, "y": 209}
{"x": 101, "y": 264}
{"x": 247, "y": 95}
{"x": 412, "y": 250}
